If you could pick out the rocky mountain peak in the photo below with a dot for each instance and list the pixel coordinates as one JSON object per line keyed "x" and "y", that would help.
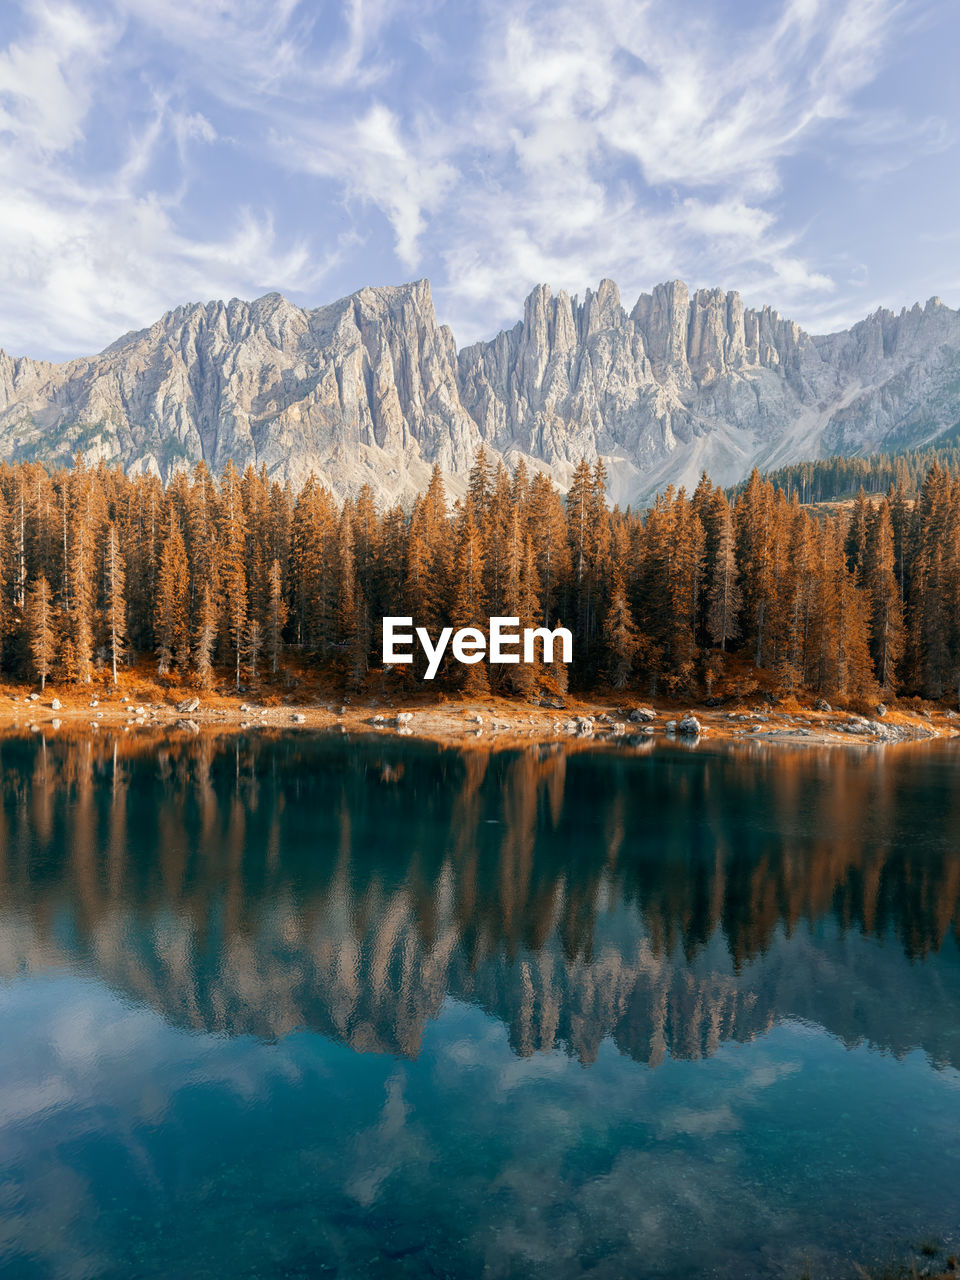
{"x": 371, "y": 389}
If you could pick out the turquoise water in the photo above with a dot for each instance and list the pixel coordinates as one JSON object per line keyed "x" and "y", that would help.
{"x": 320, "y": 1006}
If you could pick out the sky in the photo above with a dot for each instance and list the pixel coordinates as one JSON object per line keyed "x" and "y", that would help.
{"x": 154, "y": 152}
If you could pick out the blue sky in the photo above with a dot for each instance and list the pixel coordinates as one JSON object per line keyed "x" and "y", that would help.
{"x": 154, "y": 152}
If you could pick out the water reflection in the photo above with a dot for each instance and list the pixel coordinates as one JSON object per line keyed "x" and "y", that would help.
{"x": 670, "y": 901}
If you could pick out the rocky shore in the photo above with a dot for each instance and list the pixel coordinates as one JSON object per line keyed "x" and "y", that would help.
{"x": 490, "y": 720}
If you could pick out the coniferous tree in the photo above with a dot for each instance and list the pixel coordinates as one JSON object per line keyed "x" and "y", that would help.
{"x": 41, "y": 635}
{"x": 276, "y": 616}
{"x": 886, "y": 610}
{"x": 724, "y": 595}
{"x": 205, "y": 636}
{"x": 234, "y": 603}
{"x": 822, "y": 600}
{"x": 115, "y": 599}
{"x": 253, "y": 647}
{"x": 621, "y": 637}
{"x": 546, "y": 523}
{"x": 469, "y": 601}
{"x": 755, "y": 557}
{"x": 351, "y": 607}
{"x": 856, "y": 541}
{"x": 171, "y": 612}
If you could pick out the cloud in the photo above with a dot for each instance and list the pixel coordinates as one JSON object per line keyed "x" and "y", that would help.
{"x": 89, "y": 252}
{"x": 373, "y": 163}
{"x": 640, "y": 147}
{"x": 153, "y": 153}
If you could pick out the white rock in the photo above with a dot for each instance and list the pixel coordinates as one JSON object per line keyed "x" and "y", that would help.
{"x": 681, "y": 381}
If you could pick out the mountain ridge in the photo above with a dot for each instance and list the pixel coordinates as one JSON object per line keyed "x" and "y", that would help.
{"x": 372, "y": 389}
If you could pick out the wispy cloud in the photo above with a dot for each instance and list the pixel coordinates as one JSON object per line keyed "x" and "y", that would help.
{"x": 638, "y": 147}
{"x": 153, "y": 152}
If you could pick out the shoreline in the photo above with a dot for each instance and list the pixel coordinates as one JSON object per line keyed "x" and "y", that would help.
{"x": 491, "y": 721}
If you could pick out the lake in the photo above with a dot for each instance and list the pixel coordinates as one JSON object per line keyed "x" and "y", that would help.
{"x": 313, "y": 1005}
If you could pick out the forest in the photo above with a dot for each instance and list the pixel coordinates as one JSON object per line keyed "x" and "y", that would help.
{"x": 232, "y": 579}
{"x": 830, "y": 479}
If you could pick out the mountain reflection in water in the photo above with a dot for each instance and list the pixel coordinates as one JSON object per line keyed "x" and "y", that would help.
{"x": 669, "y": 901}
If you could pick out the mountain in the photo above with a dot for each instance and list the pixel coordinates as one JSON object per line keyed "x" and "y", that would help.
{"x": 372, "y": 389}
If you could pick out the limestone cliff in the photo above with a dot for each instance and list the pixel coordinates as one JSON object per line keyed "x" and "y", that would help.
{"x": 372, "y": 389}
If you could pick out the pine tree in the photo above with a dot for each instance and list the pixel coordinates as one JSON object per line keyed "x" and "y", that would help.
{"x": 5, "y": 618}
{"x": 205, "y": 637}
{"x": 547, "y": 526}
{"x": 621, "y": 636}
{"x": 234, "y": 603}
{"x": 253, "y": 647}
{"x": 78, "y": 648}
{"x": 313, "y": 565}
{"x": 40, "y": 628}
{"x": 116, "y": 606}
{"x": 351, "y": 607}
{"x": 753, "y": 516}
{"x": 276, "y": 616}
{"x": 171, "y": 612}
{"x": 725, "y": 597}
{"x": 469, "y": 604}
{"x": 521, "y": 600}
{"x": 856, "y": 541}
{"x": 886, "y": 610}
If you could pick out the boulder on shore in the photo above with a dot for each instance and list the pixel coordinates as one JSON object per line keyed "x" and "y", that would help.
{"x": 642, "y": 715}
{"x": 689, "y": 726}
{"x": 188, "y": 705}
